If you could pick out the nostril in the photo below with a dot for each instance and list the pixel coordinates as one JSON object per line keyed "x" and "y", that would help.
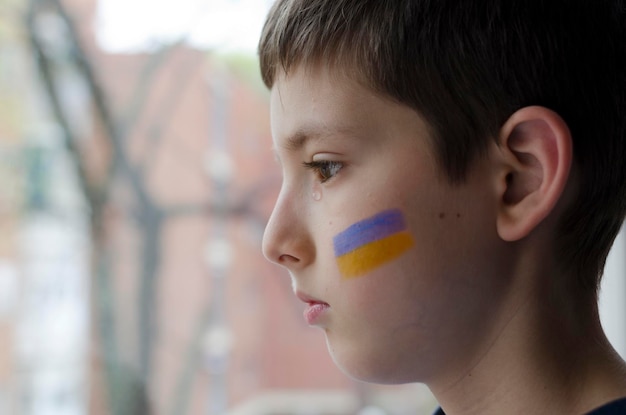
{"x": 287, "y": 259}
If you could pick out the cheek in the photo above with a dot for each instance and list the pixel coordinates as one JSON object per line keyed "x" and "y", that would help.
{"x": 368, "y": 258}
{"x": 371, "y": 243}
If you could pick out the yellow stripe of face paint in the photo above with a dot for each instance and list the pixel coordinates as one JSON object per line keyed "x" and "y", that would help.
{"x": 371, "y": 256}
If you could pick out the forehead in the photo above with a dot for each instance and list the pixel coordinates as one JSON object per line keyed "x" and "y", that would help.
{"x": 315, "y": 92}
{"x": 325, "y": 103}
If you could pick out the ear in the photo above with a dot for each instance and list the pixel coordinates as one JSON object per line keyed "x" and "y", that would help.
{"x": 536, "y": 146}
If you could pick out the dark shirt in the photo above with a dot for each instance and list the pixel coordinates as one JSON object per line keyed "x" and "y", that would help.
{"x": 612, "y": 408}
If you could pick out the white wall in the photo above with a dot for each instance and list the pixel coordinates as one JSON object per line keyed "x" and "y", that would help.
{"x": 613, "y": 295}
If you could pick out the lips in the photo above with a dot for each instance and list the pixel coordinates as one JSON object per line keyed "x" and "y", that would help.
{"x": 314, "y": 308}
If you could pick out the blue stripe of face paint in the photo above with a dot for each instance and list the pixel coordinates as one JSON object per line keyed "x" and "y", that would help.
{"x": 372, "y": 229}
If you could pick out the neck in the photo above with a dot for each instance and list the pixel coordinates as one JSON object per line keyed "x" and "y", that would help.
{"x": 542, "y": 356}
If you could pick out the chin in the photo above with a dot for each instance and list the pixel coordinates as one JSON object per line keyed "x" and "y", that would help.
{"x": 368, "y": 366}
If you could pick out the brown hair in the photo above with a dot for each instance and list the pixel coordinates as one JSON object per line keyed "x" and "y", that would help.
{"x": 467, "y": 65}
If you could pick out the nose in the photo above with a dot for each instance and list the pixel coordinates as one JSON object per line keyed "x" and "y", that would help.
{"x": 287, "y": 240}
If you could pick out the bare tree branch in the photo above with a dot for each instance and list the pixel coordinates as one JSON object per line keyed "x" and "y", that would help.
{"x": 94, "y": 195}
{"x": 146, "y": 80}
{"x": 167, "y": 109}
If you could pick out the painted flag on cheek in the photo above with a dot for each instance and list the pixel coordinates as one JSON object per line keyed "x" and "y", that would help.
{"x": 372, "y": 242}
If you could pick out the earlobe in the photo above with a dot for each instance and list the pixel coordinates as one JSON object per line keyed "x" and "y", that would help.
{"x": 536, "y": 145}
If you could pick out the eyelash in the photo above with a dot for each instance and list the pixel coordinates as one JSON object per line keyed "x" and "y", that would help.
{"x": 324, "y": 169}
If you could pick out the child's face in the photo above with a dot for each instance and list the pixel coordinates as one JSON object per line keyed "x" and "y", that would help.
{"x": 416, "y": 308}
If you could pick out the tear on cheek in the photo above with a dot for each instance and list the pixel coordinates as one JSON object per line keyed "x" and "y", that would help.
{"x": 371, "y": 243}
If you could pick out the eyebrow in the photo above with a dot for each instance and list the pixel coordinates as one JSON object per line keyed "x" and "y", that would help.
{"x": 300, "y": 138}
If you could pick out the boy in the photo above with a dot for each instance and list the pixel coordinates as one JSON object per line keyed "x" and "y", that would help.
{"x": 453, "y": 181}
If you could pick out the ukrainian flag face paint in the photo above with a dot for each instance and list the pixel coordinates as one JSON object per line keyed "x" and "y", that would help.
{"x": 371, "y": 243}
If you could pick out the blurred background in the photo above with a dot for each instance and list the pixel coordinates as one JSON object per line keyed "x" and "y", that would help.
{"x": 136, "y": 179}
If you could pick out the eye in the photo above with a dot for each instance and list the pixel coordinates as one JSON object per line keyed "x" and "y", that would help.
{"x": 324, "y": 169}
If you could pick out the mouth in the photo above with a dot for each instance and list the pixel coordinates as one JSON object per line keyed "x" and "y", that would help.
{"x": 314, "y": 310}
